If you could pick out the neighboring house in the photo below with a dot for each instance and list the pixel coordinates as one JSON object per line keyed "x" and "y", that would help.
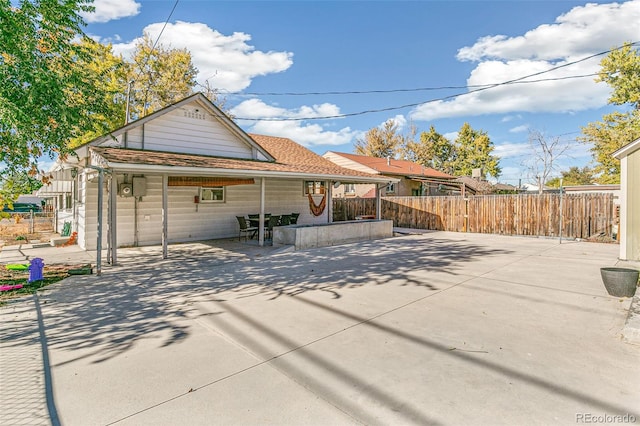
{"x": 629, "y": 156}
{"x": 414, "y": 179}
{"x": 613, "y": 189}
{"x": 184, "y": 173}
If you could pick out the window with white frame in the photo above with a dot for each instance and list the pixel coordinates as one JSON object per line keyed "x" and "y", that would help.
{"x": 314, "y": 187}
{"x": 212, "y": 194}
{"x": 391, "y": 188}
{"x": 349, "y": 188}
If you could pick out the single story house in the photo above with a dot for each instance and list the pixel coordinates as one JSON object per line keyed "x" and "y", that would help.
{"x": 412, "y": 178}
{"x": 183, "y": 174}
{"x": 629, "y": 156}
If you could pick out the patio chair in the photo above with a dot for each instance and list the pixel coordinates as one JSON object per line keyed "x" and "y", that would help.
{"x": 285, "y": 220}
{"x": 273, "y": 221}
{"x": 245, "y": 228}
{"x": 294, "y": 218}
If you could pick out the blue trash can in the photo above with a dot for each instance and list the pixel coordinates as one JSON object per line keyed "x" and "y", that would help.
{"x": 35, "y": 269}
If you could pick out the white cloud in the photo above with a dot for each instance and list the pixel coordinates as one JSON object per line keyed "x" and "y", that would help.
{"x": 583, "y": 31}
{"x": 399, "y": 121}
{"x": 228, "y": 62}
{"x": 109, "y": 10}
{"x": 452, "y": 136}
{"x": 508, "y": 118}
{"x": 519, "y": 129}
{"x": 510, "y": 150}
{"x": 307, "y": 134}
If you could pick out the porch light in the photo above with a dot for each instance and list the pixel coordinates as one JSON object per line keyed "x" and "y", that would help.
{"x": 74, "y": 173}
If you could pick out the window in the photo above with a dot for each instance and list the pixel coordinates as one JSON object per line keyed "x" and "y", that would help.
{"x": 214, "y": 194}
{"x": 349, "y": 188}
{"x": 314, "y": 187}
{"x": 391, "y": 188}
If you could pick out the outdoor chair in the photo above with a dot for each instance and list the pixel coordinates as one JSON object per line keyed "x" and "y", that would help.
{"x": 294, "y": 218}
{"x": 285, "y": 220}
{"x": 245, "y": 228}
{"x": 273, "y": 221}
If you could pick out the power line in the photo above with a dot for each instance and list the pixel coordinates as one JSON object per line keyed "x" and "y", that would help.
{"x": 417, "y": 89}
{"x": 153, "y": 47}
{"x": 479, "y": 89}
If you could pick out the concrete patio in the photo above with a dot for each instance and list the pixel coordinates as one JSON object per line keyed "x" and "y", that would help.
{"x": 440, "y": 328}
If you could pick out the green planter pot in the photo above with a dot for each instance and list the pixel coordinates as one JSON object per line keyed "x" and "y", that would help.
{"x": 620, "y": 282}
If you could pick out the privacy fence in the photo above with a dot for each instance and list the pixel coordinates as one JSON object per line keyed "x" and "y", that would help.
{"x": 582, "y": 215}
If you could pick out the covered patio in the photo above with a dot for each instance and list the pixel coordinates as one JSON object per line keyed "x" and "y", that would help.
{"x": 185, "y": 173}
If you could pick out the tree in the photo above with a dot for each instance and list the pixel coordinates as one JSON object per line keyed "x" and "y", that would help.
{"x": 432, "y": 150}
{"x": 574, "y": 176}
{"x": 545, "y": 153}
{"x": 473, "y": 150}
{"x": 620, "y": 69}
{"x": 161, "y": 76}
{"x": 606, "y": 136}
{"x": 383, "y": 142}
{"x": 46, "y": 98}
{"x": 17, "y": 183}
{"x": 111, "y": 89}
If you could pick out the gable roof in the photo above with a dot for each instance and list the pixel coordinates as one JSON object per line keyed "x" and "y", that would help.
{"x": 395, "y": 167}
{"x": 626, "y": 150}
{"x": 291, "y": 160}
{"x": 203, "y": 102}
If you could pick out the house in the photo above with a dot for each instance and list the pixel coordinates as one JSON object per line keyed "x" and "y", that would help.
{"x": 184, "y": 173}
{"x": 629, "y": 156}
{"x": 413, "y": 178}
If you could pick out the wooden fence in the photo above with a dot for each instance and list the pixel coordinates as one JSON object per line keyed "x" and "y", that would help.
{"x": 583, "y": 215}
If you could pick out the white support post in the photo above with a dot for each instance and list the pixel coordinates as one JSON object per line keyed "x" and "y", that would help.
{"x": 165, "y": 214}
{"x": 378, "y": 203}
{"x": 330, "y": 202}
{"x": 113, "y": 202}
{"x": 261, "y": 217}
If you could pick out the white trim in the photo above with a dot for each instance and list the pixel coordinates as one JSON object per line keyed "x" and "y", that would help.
{"x": 623, "y": 208}
{"x": 628, "y": 149}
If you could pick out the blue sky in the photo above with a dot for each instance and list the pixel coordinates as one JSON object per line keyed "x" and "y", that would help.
{"x": 260, "y": 47}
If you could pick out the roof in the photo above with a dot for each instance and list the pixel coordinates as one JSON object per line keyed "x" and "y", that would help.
{"x": 202, "y": 101}
{"x": 477, "y": 186}
{"x": 291, "y": 160}
{"x": 626, "y": 150}
{"x": 392, "y": 166}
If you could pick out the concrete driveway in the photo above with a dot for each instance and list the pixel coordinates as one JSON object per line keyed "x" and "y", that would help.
{"x": 441, "y": 328}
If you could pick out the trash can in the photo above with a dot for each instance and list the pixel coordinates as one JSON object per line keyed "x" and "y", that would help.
{"x": 35, "y": 269}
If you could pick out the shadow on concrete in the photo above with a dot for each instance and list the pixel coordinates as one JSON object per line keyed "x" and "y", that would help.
{"x": 103, "y": 317}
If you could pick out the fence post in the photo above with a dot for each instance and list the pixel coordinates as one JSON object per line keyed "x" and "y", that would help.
{"x": 32, "y": 226}
{"x": 561, "y": 216}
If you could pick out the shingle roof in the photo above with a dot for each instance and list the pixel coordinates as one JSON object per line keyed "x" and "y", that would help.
{"x": 290, "y": 158}
{"x": 394, "y": 167}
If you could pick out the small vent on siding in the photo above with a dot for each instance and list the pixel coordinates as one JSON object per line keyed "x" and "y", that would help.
{"x": 195, "y": 113}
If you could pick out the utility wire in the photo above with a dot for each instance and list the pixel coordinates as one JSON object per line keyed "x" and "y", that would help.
{"x": 146, "y": 61}
{"x": 417, "y": 89}
{"x": 479, "y": 89}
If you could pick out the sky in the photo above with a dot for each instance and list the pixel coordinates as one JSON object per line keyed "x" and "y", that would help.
{"x": 419, "y": 63}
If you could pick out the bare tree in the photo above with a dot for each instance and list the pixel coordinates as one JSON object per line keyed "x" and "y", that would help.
{"x": 545, "y": 153}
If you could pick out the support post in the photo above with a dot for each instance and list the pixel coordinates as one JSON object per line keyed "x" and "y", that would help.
{"x": 99, "y": 236}
{"x": 165, "y": 214}
{"x": 330, "y": 202}
{"x": 561, "y": 216}
{"x": 261, "y": 217}
{"x": 113, "y": 208}
{"x": 378, "y": 203}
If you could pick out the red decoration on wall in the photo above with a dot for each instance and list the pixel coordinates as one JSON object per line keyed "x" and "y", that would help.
{"x": 317, "y": 209}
